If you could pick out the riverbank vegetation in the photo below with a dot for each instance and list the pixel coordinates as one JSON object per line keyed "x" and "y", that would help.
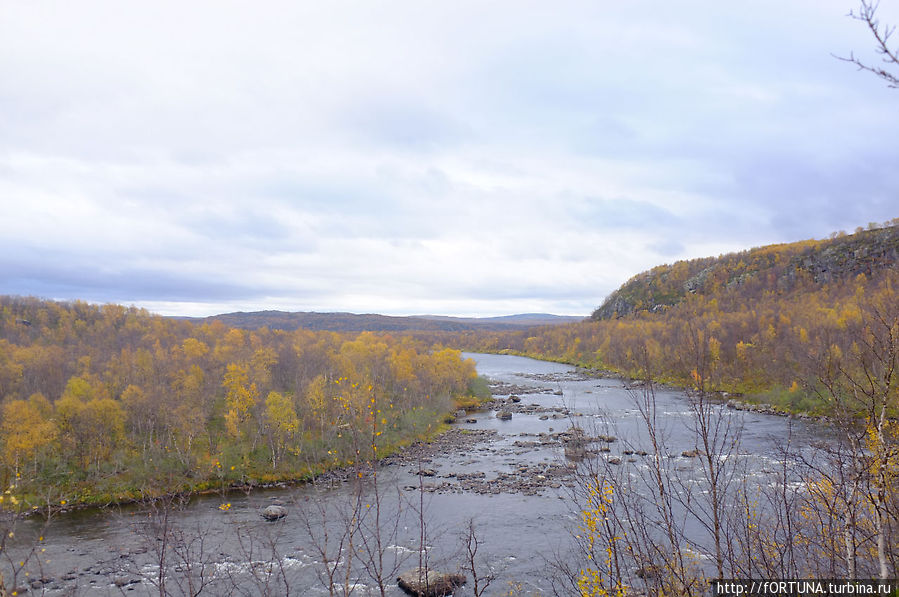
{"x": 106, "y": 403}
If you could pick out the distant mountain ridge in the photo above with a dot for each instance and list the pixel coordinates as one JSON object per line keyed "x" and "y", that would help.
{"x": 353, "y": 322}
{"x": 780, "y": 269}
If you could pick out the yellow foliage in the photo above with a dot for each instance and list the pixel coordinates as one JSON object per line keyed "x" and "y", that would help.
{"x": 25, "y": 429}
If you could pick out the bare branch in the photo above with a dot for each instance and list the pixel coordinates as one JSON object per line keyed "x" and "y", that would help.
{"x": 867, "y": 14}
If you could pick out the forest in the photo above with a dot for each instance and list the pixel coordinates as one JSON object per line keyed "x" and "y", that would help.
{"x": 104, "y": 404}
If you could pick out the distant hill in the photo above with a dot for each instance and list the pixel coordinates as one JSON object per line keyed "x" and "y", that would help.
{"x": 520, "y": 320}
{"x": 352, "y": 322}
{"x": 779, "y": 269}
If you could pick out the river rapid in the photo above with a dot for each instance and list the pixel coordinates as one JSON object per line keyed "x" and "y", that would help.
{"x": 508, "y": 477}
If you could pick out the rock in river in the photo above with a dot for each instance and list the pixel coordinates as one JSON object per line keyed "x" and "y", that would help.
{"x": 429, "y": 583}
{"x": 504, "y": 415}
{"x": 274, "y": 512}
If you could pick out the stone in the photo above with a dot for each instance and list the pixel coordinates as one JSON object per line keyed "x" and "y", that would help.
{"x": 274, "y": 512}
{"x": 429, "y": 583}
{"x": 504, "y": 415}
{"x": 124, "y": 581}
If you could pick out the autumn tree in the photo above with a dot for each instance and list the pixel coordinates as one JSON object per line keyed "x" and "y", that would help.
{"x": 26, "y": 427}
{"x": 282, "y": 424}
{"x": 91, "y": 429}
{"x": 240, "y": 399}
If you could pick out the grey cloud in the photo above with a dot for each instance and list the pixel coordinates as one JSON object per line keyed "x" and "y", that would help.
{"x": 255, "y": 228}
{"x": 669, "y": 247}
{"x": 623, "y": 213}
{"x": 806, "y": 196}
{"x": 99, "y": 280}
{"x": 403, "y": 125}
{"x": 389, "y": 205}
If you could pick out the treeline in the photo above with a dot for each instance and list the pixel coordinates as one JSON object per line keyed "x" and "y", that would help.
{"x": 105, "y": 403}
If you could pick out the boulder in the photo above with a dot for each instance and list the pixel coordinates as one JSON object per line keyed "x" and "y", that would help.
{"x": 514, "y": 398}
{"x": 504, "y": 415}
{"x": 274, "y": 512}
{"x": 429, "y": 583}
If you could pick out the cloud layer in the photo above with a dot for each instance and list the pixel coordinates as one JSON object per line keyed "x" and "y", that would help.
{"x": 463, "y": 158}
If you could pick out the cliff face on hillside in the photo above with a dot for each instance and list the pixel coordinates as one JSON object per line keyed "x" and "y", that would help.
{"x": 774, "y": 268}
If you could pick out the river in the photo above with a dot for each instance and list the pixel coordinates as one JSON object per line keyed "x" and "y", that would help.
{"x": 508, "y": 477}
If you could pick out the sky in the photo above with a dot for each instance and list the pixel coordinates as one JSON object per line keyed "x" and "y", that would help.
{"x": 407, "y": 157}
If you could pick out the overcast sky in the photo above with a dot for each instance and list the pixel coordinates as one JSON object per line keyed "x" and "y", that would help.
{"x": 458, "y": 158}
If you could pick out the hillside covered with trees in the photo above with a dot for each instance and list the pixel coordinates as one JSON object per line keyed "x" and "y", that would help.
{"x": 770, "y": 321}
{"x": 779, "y": 269}
{"x": 108, "y": 403}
